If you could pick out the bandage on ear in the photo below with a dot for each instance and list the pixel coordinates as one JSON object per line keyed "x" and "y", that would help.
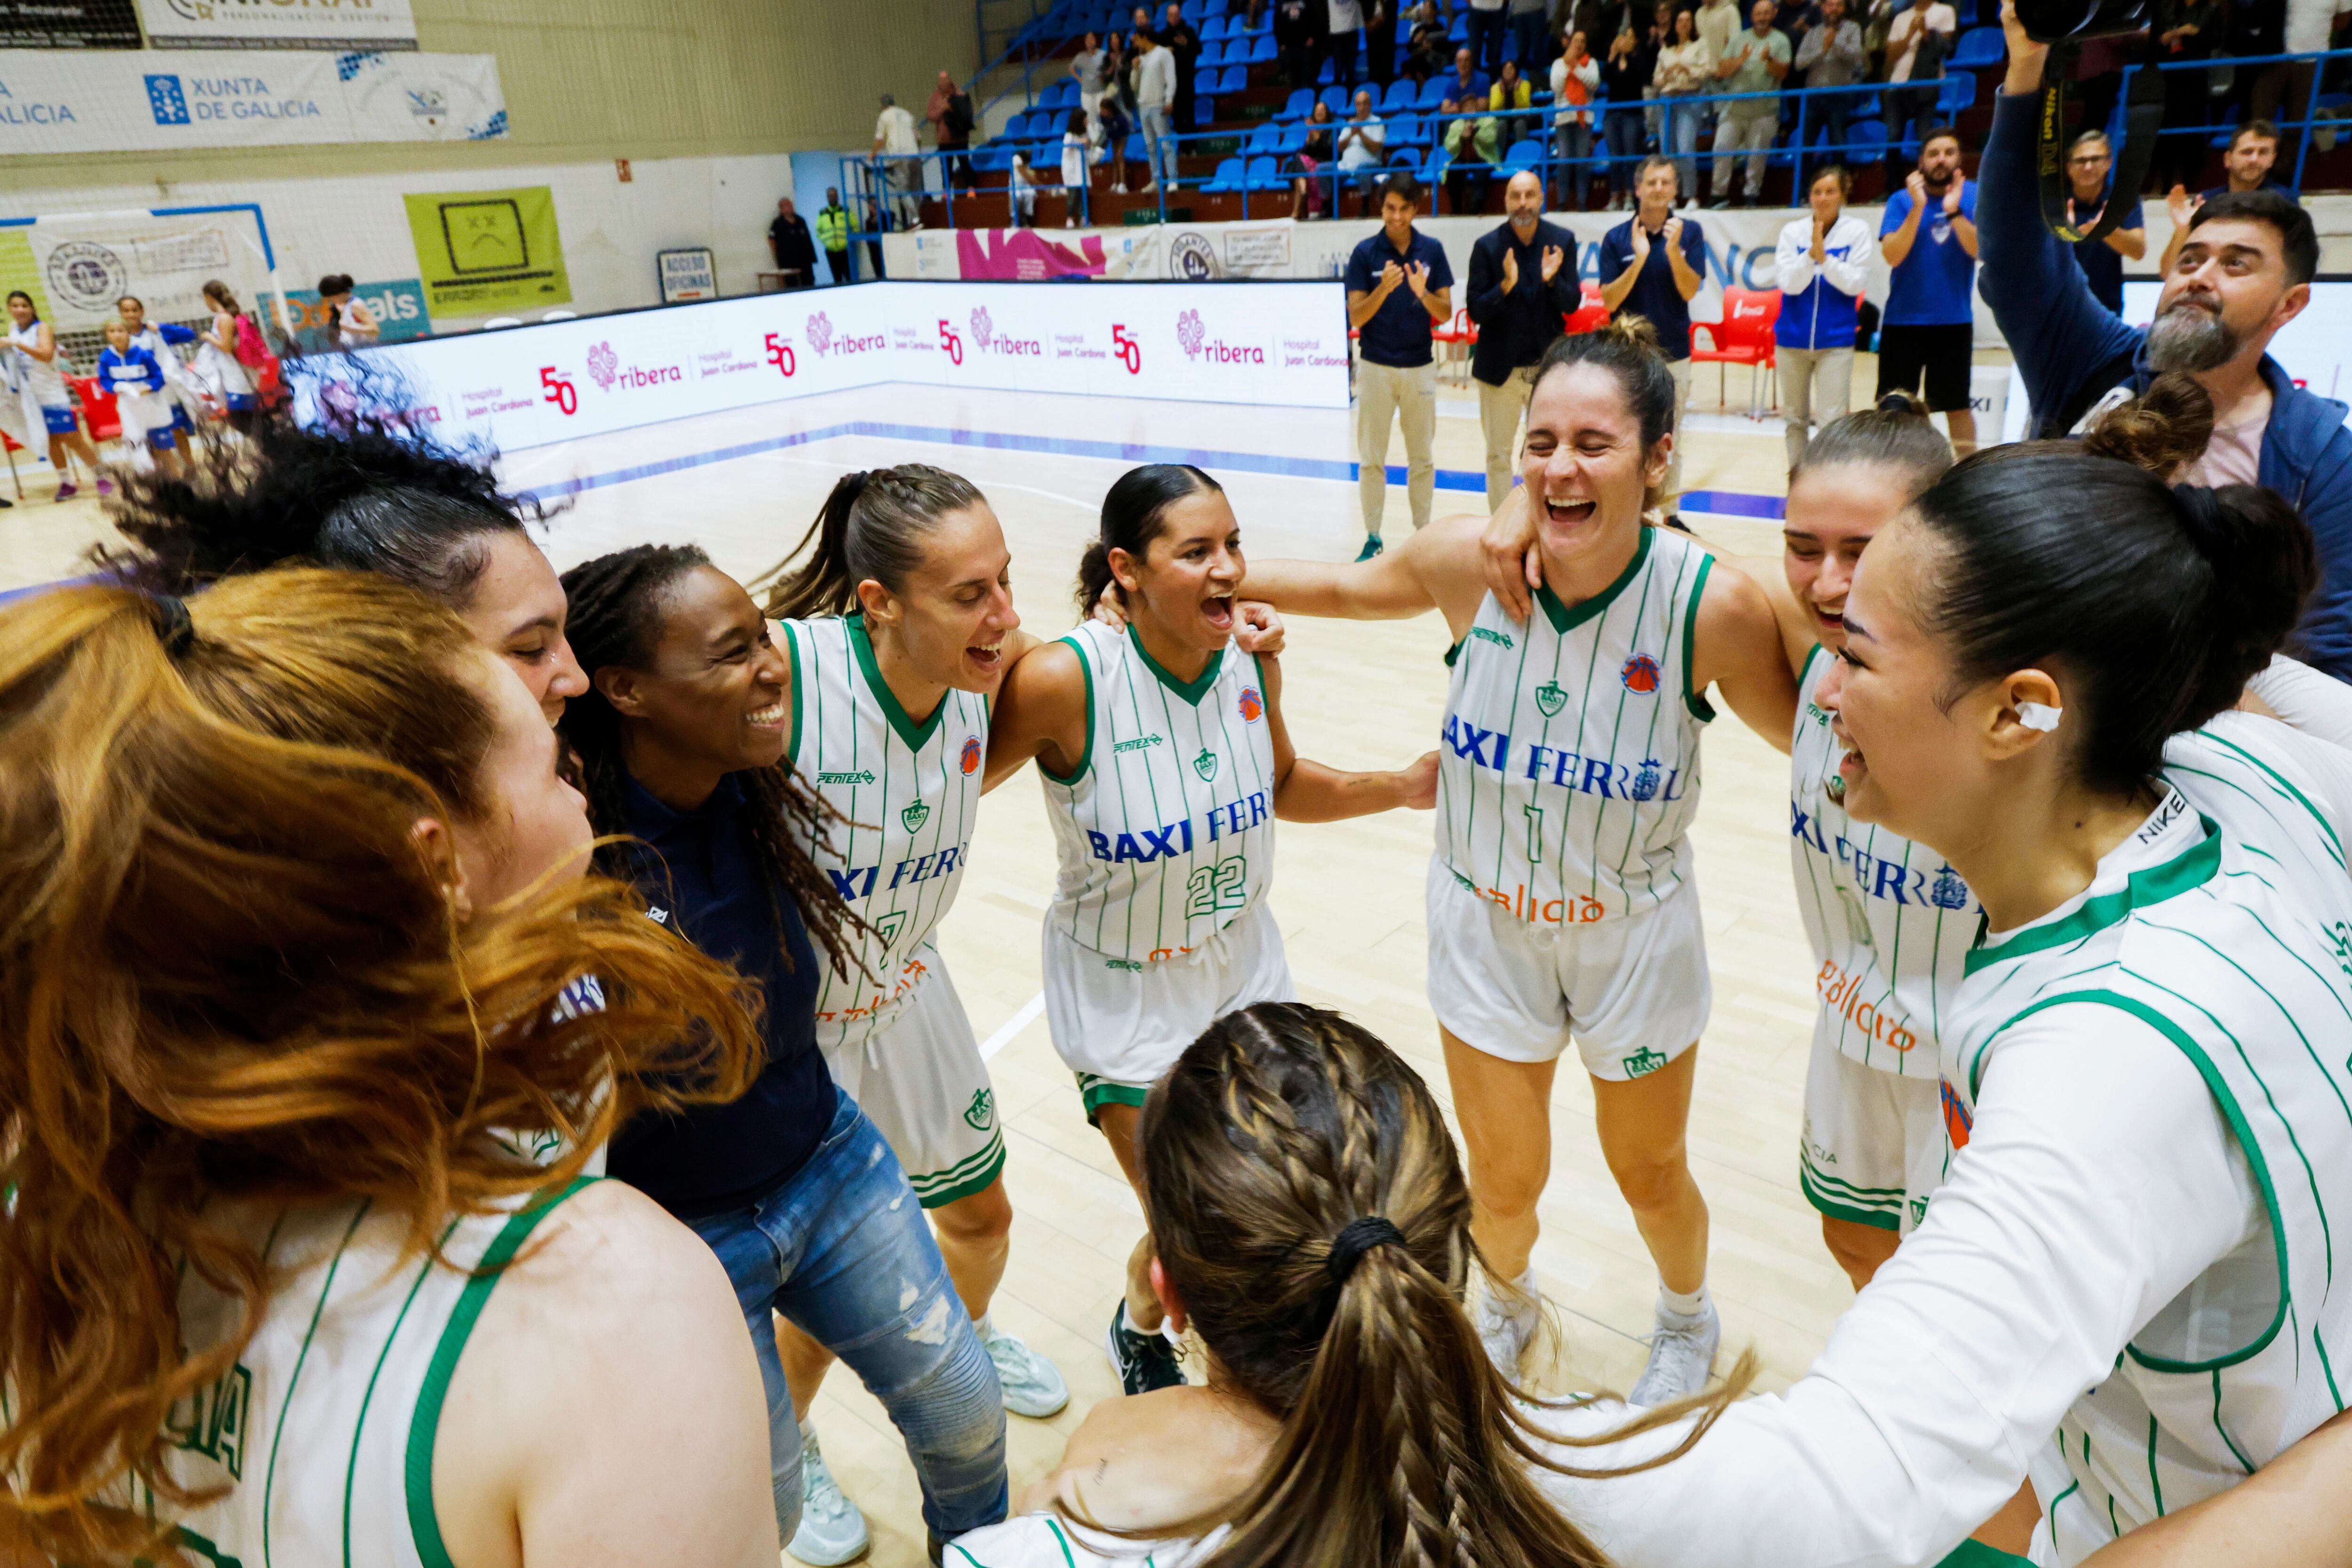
{"x": 2037, "y": 716}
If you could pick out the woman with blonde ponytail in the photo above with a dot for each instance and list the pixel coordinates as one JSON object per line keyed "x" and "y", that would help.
{"x": 1562, "y": 903}
{"x": 1313, "y": 1231}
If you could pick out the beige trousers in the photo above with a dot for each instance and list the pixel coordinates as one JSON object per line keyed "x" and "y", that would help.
{"x": 1410, "y": 398}
{"x": 1800, "y": 370}
{"x": 1500, "y": 409}
{"x": 1682, "y": 372}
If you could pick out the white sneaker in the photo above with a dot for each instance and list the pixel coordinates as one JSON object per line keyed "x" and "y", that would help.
{"x": 832, "y": 1530}
{"x": 1682, "y": 1356}
{"x": 1118, "y": 188}
{"x": 1505, "y": 1326}
{"x": 1032, "y": 1385}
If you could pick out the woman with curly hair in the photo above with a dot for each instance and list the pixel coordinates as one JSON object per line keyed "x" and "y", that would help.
{"x": 295, "y": 897}
{"x": 682, "y": 741}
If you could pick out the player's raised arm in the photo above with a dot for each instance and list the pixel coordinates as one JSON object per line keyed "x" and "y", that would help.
{"x": 1436, "y": 569}
{"x": 1308, "y": 791}
{"x": 1040, "y": 713}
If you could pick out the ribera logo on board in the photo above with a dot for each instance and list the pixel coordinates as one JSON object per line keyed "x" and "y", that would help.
{"x": 825, "y": 341}
{"x": 605, "y": 369}
{"x": 1193, "y": 336}
{"x": 988, "y": 340}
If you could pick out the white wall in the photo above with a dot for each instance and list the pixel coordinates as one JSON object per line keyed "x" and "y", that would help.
{"x": 358, "y": 224}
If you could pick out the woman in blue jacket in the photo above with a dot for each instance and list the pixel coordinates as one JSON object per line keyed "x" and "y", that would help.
{"x": 1824, "y": 260}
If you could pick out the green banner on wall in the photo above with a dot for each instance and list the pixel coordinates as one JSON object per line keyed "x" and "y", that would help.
{"x": 480, "y": 252}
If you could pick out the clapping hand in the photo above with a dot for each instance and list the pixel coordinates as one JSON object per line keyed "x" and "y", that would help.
{"x": 1672, "y": 233}
{"x": 2182, "y": 205}
{"x": 1417, "y": 275}
{"x": 1552, "y": 258}
{"x": 1390, "y": 275}
{"x": 1952, "y": 197}
{"x": 1641, "y": 240}
{"x": 1510, "y": 270}
{"x": 1917, "y": 183}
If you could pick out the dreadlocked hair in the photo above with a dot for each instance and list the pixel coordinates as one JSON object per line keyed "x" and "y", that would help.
{"x": 1281, "y": 1130}
{"x": 367, "y": 492}
{"x": 615, "y": 619}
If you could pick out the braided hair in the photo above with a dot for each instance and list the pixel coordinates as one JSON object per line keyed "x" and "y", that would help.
{"x": 615, "y": 618}
{"x": 1306, "y": 1204}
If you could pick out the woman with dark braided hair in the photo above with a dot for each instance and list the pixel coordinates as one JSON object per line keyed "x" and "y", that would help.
{"x": 682, "y": 746}
{"x": 1313, "y": 1228}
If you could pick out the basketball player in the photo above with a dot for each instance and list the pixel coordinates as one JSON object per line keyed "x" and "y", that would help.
{"x": 1165, "y": 765}
{"x": 1311, "y": 1224}
{"x": 899, "y": 625}
{"x": 295, "y": 894}
{"x": 1561, "y": 901}
{"x": 2123, "y": 1287}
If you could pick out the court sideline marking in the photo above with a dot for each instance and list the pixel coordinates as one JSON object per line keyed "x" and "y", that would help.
{"x": 1012, "y": 1027}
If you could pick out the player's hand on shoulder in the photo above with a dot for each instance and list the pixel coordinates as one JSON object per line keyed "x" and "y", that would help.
{"x": 1507, "y": 558}
{"x": 1418, "y": 780}
{"x": 1109, "y": 609}
{"x": 1258, "y": 627}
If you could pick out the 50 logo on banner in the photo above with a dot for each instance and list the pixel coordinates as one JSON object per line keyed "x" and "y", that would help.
{"x": 1273, "y": 343}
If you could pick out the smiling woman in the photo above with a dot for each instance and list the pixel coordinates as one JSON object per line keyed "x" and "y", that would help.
{"x": 685, "y": 746}
{"x": 1165, "y": 763}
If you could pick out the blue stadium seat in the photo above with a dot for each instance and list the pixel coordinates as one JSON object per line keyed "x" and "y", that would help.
{"x": 1460, "y": 31}
{"x": 1192, "y": 12}
{"x": 1204, "y": 82}
{"x": 1865, "y": 140}
{"x": 1215, "y": 8}
{"x": 1978, "y": 47}
{"x": 1327, "y": 74}
{"x": 1234, "y": 78}
{"x": 1262, "y": 52}
{"x": 1432, "y": 94}
{"x": 1063, "y": 94}
{"x": 1134, "y": 149}
{"x": 1399, "y": 95}
{"x": 1959, "y": 92}
{"x": 1214, "y": 30}
{"x": 1292, "y": 140}
{"x": 1521, "y": 154}
{"x": 1301, "y": 104}
{"x": 1263, "y": 177}
{"x": 1406, "y": 131}
{"x": 1264, "y": 28}
{"x": 1340, "y": 99}
{"x": 1266, "y": 138}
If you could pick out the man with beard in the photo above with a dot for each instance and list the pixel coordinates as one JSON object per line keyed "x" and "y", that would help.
{"x": 2243, "y": 273}
{"x": 1928, "y": 236}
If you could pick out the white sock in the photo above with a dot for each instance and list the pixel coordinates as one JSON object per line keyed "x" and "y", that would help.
{"x": 1691, "y": 1306}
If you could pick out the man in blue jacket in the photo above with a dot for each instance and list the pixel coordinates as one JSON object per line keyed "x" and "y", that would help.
{"x": 2244, "y": 272}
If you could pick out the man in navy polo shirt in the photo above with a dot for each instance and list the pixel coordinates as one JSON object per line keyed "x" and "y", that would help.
{"x": 1399, "y": 285}
{"x": 1652, "y": 265}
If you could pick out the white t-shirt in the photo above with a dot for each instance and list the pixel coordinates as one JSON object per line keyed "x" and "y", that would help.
{"x": 2308, "y": 22}
{"x": 1367, "y": 148}
{"x": 1902, "y": 38}
{"x": 895, "y": 127}
{"x": 2234, "y": 455}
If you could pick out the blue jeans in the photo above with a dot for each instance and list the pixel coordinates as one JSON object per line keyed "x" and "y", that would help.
{"x": 1572, "y": 144}
{"x": 1529, "y": 34}
{"x": 1158, "y": 153}
{"x": 1685, "y": 121}
{"x": 842, "y": 1248}
{"x": 1624, "y": 129}
{"x": 1486, "y": 41}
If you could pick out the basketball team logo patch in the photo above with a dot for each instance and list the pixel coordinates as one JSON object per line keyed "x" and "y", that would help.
{"x": 971, "y": 760}
{"x": 1252, "y": 705}
{"x": 1640, "y": 674}
{"x": 1551, "y": 698}
{"x": 1957, "y": 1122}
{"x": 915, "y": 815}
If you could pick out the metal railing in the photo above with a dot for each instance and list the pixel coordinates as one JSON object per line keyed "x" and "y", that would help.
{"x": 881, "y": 208}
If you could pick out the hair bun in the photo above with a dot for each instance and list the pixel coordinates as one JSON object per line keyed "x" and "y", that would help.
{"x": 2162, "y": 431}
{"x": 1901, "y": 402}
{"x": 1633, "y": 328}
{"x": 2264, "y": 567}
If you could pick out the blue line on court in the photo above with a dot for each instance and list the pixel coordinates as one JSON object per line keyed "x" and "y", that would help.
{"x": 1719, "y": 501}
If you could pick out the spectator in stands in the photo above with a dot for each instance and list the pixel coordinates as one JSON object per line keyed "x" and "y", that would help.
{"x": 1831, "y": 55}
{"x": 1652, "y": 265}
{"x": 1685, "y": 69}
{"x": 1917, "y": 42}
{"x": 1076, "y": 187}
{"x": 1575, "y": 80}
{"x": 1399, "y": 286}
{"x": 1090, "y": 66}
{"x": 1757, "y": 61}
{"x": 1929, "y": 236}
{"x": 2246, "y": 166}
{"x": 1473, "y": 148}
{"x": 832, "y": 233}
{"x": 1428, "y": 46}
{"x": 1111, "y": 131}
{"x": 2244, "y": 274}
{"x": 1155, "y": 92}
{"x": 1183, "y": 42}
{"x": 1307, "y": 192}
{"x": 1718, "y": 24}
{"x": 1531, "y": 35}
{"x": 2185, "y": 31}
{"x": 2089, "y": 162}
{"x": 1511, "y": 92}
{"x": 1468, "y": 84}
{"x": 2310, "y": 27}
{"x": 2253, "y": 31}
{"x": 1380, "y": 42}
{"x": 1627, "y": 76}
{"x": 1363, "y": 149}
{"x": 789, "y": 241}
{"x": 1118, "y": 86}
{"x": 1656, "y": 39}
{"x": 1021, "y": 185}
{"x": 1298, "y": 39}
{"x": 1488, "y": 24}
{"x": 1824, "y": 260}
{"x": 950, "y": 116}
{"x": 1343, "y": 27}
{"x": 894, "y": 137}
{"x": 1522, "y": 284}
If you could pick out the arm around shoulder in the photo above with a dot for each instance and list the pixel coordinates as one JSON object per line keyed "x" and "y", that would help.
{"x": 1737, "y": 648}
{"x": 608, "y": 1409}
{"x": 1042, "y": 712}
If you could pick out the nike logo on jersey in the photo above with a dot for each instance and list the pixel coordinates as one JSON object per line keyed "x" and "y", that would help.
{"x": 859, "y": 881}
{"x": 1146, "y": 845}
{"x": 1606, "y": 777}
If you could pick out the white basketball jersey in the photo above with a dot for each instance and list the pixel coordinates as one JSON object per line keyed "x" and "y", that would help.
{"x": 1569, "y": 770}
{"x": 910, "y": 792}
{"x": 45, "y": 379}
{"x": 1165, "y": 830}
{"x": 2225, "y": 924}
{"x": 323, "y": 1430}
{"x": 1890, "y": 922}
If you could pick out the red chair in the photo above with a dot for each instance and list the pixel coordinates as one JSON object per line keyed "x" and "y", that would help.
{"x": 1461, "y": 334}
{"x": 1591, "y": 315}
{"x": 98, "y": 414}
{"x": 1744, "y": 336}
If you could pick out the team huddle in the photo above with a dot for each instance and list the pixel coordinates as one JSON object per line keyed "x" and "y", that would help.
{"x": 443, "y": 999}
